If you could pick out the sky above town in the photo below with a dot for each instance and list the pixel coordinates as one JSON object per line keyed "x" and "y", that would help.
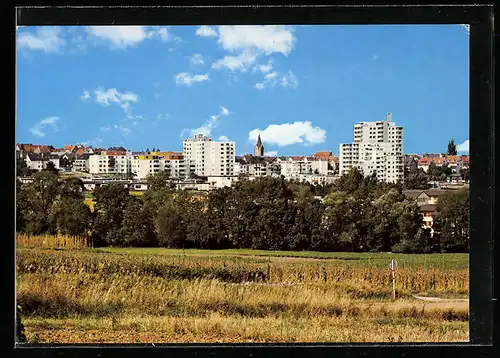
{"x": 301, "y": 87}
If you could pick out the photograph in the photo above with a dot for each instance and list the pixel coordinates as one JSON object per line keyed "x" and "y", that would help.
{"x": 242, "y": 184}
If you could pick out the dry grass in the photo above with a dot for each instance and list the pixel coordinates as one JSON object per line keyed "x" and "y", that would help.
{"x": 82, "y": 296}
{"x": 218, "y": 328}
{"x": 237, "y": 269}
{"x": 53, "y": 241}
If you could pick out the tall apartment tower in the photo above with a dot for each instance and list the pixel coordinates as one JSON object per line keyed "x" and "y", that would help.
{"x": 259, "y": 148}
{"x": 211, "y": 158}
{"x": 376, "y": 147}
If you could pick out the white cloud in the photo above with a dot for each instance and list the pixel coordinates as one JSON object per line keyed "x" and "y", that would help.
{"x": 210, "y": 124}
{"x": 290, "y": 80}
{"x": 206, "y": 31}
{"x": 85, "y": 95}
{"x": 197, "y": 59}
{"x": 247, "y": 43}
{"x": 188, "y": 79}
{"x": 375, "y": 57}
{"x": 270, "y": 81}
{"x": 272, "y": 153}
{"x": 124, "y": 130}
{"x": 163, "y": 33}
{"x": 78, "y": 44}
{"x": 55, "y": 39}
{"x": 223, "y": 138}
{"x": 120, "y": 37}
{"x": 463, "y": 147}
{"x": 112, "y": 95}
{"x": 271, "y": 75}
{"x": 289, "y": 133}
{"x": 38, "y": 129}
{"x": 95, "y": 142}
{"x": 46, "y": 39}
{"x": 265, "y": 39}
{"x": 264, "y": 68}
{"x": 241, "y": 62}
{"x": 224, "y": 111}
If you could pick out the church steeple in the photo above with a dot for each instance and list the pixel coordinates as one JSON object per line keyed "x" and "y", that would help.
{"x": 259, "y": 148}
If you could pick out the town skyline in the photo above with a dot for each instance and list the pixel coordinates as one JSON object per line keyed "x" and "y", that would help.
{"x": 234, "y": 82}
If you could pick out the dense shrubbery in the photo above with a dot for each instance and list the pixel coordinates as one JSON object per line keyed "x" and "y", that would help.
{"x": 357, "y": 214}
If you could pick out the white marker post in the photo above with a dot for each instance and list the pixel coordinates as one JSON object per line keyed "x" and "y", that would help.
{"x": 393, "y": 266}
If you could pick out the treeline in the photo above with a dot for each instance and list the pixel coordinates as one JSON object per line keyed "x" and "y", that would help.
{"x": 357, "y": 214}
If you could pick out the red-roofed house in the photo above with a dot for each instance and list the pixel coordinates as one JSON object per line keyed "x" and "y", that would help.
{"x": 70, "y": 148}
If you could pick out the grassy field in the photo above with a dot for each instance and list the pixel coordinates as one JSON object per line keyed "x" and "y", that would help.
{"x": 454, "y": 261}
{"x": 163, "y": 295}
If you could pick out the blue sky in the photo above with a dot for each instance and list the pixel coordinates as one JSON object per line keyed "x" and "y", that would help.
{"x": 301, "y": 87}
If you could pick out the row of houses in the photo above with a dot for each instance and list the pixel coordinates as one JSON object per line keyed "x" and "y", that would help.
{"x": 319, "y": 168}
{"x": 454, "y": 162}
{"x": 291, "y": 167}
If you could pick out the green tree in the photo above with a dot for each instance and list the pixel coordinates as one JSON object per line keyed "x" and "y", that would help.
{"x": 453, "y": 220}
{"x": 71, "y": 188}
{"x": 35, "y": 202}
{"x": 158, "y": 193}
{"x": 51, "y": 167}
{"x": 130, "y": 175}
{"x": 138, "y": 226}
{"x": 20, "y": 201}
{"x": 71, "y": 217}
{"x": 416, "y": 180}
{"x": 421, "y": 243}
{"x": 217, "y": 234}
{"x": 306, "y": 228}
{"x": 170, "y": 226}
{"x": 21, "y": 166}
{"x": 64, "y": 162}
{"x": 158, "y": 181}
{"x": 111, "y": 201}
{"x": 350, "y": 182}
{"x": 240, "y": 215}
{"x": 452, "y": 148}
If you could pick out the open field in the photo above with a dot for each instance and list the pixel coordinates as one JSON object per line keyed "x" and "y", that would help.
{"x": 162, "y": 295}
{"x": 382, "y": 259}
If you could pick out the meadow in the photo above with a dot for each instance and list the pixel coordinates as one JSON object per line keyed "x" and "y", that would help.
{"x": 131, "y": 295}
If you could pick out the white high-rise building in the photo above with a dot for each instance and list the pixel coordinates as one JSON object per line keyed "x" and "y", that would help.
{"x": 377, "y": 147}
{"x": 211, "y": 158}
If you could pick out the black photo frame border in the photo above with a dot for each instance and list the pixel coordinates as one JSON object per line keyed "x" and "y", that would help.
{"x": 482, "y": 249}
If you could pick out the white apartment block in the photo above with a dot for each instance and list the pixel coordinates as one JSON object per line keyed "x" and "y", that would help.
{"x": 377, "y": 147}
{"x": 81, "y": 163}
{"x": 294, "y": 167}
{"x": 145, "y": 165}
{"x": 180, "y": 168}
{"x": 103, "y": 164}
{"x": 211, "y": 158}
{"x": 319, "y": 166}
{"x": 39, "y": 161}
